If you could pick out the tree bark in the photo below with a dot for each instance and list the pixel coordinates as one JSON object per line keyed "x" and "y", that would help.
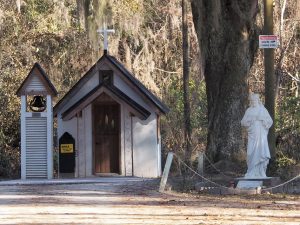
{"x": 227, "y": 38}
{"x": 83, "y": 13}
{"x": 186, "y": 79}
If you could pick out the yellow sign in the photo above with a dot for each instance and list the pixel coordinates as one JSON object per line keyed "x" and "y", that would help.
{"x": 66, "y": 148}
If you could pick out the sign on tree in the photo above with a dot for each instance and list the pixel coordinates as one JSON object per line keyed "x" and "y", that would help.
{"x": 268, "y": 41}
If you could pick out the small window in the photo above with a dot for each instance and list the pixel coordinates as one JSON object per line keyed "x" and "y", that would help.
{"x": 106, "y": 77}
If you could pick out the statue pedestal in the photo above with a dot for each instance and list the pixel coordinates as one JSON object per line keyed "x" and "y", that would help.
{"x": 255, "y": 182}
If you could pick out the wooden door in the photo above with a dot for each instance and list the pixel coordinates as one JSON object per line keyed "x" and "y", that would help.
{"x": 107, "y": 138}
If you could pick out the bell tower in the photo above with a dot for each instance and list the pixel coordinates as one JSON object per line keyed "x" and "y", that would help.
{"x": 36, "y": 94}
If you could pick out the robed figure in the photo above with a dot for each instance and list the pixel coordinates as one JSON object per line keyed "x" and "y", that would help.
{"x": 257, "y": 121}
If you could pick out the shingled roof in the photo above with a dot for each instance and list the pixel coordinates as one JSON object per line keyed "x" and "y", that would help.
{"x": 159, "y": 104}
{"x": 130, "y": 77}
{"x": 44, "y": 78}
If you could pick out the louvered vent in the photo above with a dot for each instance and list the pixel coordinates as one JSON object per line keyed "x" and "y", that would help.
{"x": 36, "y": 147}
{"x": 35, "y": 84}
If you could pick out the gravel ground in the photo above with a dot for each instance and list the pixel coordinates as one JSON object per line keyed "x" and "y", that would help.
{"x": 138, "y": 202}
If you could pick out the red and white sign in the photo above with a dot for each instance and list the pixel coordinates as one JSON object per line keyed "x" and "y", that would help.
{"x": 268, "y": 41}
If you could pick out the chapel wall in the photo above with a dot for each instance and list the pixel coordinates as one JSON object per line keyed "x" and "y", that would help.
{"x": 127, "y": 159}
{"x": 145, "y": 147}
{"x": 88, "y": 132}
{"x": 130, "y": 92}
{"x": 85, "y": 143}
{"x": 69, "y": 126}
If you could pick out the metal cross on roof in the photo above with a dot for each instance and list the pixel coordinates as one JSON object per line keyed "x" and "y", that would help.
{"x": 105, "y": 32}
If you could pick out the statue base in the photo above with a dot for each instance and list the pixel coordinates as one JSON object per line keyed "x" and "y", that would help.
{"x": 255, "y": 182}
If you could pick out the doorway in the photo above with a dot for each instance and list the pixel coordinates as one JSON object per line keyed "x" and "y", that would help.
{"x": 107, "y": 138}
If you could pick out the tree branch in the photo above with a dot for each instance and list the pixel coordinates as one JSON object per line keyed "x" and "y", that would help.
{"x": 294, "y": 78}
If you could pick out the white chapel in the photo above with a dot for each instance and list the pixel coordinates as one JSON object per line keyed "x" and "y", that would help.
{"x": 114, "y": 121}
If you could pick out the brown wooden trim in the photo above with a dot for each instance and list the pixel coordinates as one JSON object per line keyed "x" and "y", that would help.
{"x": 158, "y": 128}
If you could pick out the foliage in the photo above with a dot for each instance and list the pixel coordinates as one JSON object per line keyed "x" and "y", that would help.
{"x": 173, "y": 128}
{"x": 40, "y": 33}
{"x": 287, "y": 121}
{"x": 288, "y": 131}
{"x": 10, "y": 162}
{"x": 148, "y": 42}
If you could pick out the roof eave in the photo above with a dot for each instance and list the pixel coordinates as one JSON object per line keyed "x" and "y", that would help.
{"x": 142, "y": 112}
{"x": 52, "y": 89}
{"x": 159, "y": 104}
{"x": 59, "y": 104}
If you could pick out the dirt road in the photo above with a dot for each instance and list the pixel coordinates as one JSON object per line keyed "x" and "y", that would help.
{"x": 138, "y": 202}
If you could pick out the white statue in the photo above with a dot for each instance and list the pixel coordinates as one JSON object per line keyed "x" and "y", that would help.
{"x": 257, "y": 122}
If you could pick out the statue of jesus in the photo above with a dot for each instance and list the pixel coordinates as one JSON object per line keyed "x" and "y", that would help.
{"x": 257, "y": 122}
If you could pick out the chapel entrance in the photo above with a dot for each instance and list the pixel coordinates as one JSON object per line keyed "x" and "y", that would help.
{"x": 106, "y": 136}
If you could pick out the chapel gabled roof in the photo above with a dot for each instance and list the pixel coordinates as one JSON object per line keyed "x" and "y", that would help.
{"x": 130, "y": 77}
{"x": 159, "y": 104}
{"x": 88, "y": 98}
{"x": 44, "y": 78}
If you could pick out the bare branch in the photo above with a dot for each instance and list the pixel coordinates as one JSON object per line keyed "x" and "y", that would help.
{"x": 294, "y": 78}
{"x": 172, "y": 72}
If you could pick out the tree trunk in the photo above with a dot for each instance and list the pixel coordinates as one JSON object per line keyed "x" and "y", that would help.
{"x": 18, "y": 2}
{"x": 186, "y": 79}
{"x": 83, "y": 13}
{"x": 228, "y": 41}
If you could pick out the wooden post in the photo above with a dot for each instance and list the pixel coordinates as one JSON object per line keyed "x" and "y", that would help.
{"x": 201, "y": 163}
{"x": 269, "y": 73}
{"x": 165, "y": 175}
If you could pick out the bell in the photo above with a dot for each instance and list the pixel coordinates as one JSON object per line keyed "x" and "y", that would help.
{"x": 37, "y": 104}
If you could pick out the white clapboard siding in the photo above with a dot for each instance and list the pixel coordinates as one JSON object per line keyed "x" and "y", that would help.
{"x": 35, "y": 84}
{"x": 36, "y": 147}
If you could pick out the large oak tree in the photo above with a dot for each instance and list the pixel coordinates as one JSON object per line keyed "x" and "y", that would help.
{"x": 227, "y": 39}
